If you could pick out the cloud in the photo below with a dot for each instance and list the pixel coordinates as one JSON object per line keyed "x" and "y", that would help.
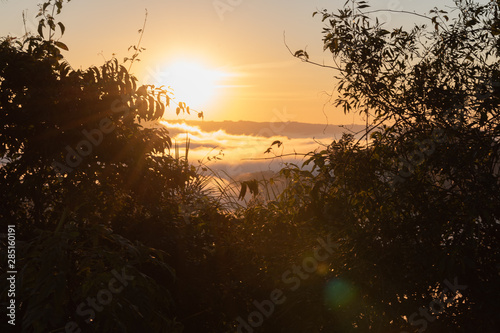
{"x": 242, "y": 149}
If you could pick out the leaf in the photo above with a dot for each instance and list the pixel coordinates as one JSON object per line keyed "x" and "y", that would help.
{"x": 178, "y": 110}
{"x": 301, "y": 53}
{"x": 142, "y": 91}
{"x": 471, "y": 23}
{"x": 63, "y": 28}
{"x": 61, "y": 45}
{"x": 51, "y": 23}
{"x": 151, "y": 106}
{"x": 41, "y": 25}
{"x": 243, "y": 191}
{"x": 59, "y": 6}
{"x": 253, "y": 186}
{"x": 335, "y": 44}
{"x": 277, "y": 142}
{"x": 142, "y": 108}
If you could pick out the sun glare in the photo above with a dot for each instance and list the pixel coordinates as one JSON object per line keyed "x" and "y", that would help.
{"x": 192, "y": 83}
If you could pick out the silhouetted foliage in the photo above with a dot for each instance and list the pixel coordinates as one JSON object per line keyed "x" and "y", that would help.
{"x": 420, "y": 203}
{"x": 76, "y": 162}
{"x": 364, "y": 237}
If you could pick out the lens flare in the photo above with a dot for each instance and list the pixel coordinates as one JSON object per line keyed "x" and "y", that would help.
{"x": 339, "y": 293}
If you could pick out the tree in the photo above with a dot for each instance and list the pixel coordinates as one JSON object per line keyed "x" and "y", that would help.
{"x": 76, "y": 165}
{"x": 416, "y": 210}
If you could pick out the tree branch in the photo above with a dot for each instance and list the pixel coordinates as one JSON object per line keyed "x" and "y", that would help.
{"x": 397, "y": 11}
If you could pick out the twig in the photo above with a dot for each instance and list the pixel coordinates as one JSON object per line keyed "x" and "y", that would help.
{"x": 307, "y": 60}
{"x": 272, "y": 158}
{"x": 137, "y": 48}
{"x": 397, "y": 11}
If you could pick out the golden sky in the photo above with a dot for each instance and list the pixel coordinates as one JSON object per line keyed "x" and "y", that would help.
{"x": 227, "y": 58}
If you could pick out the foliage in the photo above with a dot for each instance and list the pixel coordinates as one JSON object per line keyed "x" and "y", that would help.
{"x": 418, "y": 204}
{"x": 413, "y": 206}
{"x": 61, "y": 269}
{"x": 76, "y": 163}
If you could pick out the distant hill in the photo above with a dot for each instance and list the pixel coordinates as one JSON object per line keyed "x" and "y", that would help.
{"x": 288, "y": 129}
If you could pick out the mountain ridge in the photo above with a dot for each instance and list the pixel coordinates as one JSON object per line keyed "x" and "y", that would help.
{"x": 291, "y": 129}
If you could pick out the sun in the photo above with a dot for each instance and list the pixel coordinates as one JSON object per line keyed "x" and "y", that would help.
{"x": 192, "y": 83}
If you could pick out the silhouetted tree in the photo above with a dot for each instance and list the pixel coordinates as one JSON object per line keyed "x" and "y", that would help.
{"x": 76, "y": 165}
{"x": 417, "y": 209}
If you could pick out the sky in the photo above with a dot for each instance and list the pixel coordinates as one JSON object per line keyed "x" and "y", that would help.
{"x": 227, "y": 58}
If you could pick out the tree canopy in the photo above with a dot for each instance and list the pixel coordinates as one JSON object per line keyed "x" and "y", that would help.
{"x": 419, "y": 204}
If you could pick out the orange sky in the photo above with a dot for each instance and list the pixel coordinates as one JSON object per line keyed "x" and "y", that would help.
{"x": 241, "y": 38}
